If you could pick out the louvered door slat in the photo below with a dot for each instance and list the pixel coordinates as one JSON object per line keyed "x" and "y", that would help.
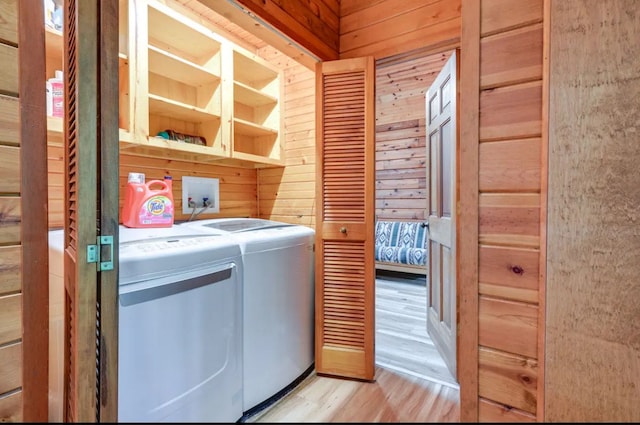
{"x": 345, "y": 272}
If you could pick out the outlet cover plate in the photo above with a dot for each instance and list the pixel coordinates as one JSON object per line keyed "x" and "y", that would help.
{"x": 198, "y": 188}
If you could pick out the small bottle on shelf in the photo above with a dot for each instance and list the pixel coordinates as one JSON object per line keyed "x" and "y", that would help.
{"x": 55, "y": 95}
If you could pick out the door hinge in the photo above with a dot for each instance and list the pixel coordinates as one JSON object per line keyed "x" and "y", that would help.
{"x": 96, "y": 253}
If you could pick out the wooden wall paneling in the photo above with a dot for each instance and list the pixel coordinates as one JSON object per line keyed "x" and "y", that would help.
{"x": 10, "y": 319}
{"x": 9, "y": 69}
{"x": 9, "y": 22}
{"x": 504, "y": 15}
{"x": 10, "y": 367}
{"x": 511, "y": 57}
{"x": 374, "y": 13}
{"x": 508, "y": 379}
{"x": 510, "y": 166}
{"x": 299, "y": 42}
{"x": 498, "y": 413}
{"x": 401, "y": 155}
{"x": 288, "y": 193}
{"x": 9, "y": 120}
{"x": 10, "y": 220}
{"x": 509, "y": 272}
{"x": 592, "y": 342}
{"x": 511, "y": 207}
{"x": 510, "y": 219}
{"x": 404, "y": 28}
{"x": 238, "y": 192}
{"x": 511, "y": 112}
{"x": 10, "y": 269}
{"x": 11, "y": 407}
{"x": 508, "y": 326}
{"x": 10, "y": 169}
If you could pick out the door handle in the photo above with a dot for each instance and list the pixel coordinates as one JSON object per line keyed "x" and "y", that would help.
{"x": 425, "y": 224}
{"x": 343, "y": 230}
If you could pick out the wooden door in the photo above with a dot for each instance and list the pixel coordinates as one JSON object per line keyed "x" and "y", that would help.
{"x": 345, "y": 172}
{"x": 91, "y": 210}
{"x": 442, "y": 143}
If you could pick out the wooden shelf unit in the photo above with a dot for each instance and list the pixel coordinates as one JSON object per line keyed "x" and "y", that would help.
{"x": 257, "y": 124}
{"x": 184, "y": 90}
{"x": 178, "y": 74}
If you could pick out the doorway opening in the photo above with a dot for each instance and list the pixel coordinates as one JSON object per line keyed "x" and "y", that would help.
{"x": 402, "y": 194}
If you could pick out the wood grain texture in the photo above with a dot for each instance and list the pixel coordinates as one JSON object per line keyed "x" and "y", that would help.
{"x": 401, "y": 154}
{"x": 512, "y": 209}
{"x": 289, "y": 192}
{"x": 592, "y": 338}
{"x": 392, "y": 397}
{"x": 511, "y": 112}
{"x": 9, "y": 70}
{"x": 508, "y": 379}
{"x": 33, "y": 183}
{"x": 503, "y": 15}
{"x": 508, "y": 326}
{"x": 10, "y": 167}
{"x": 10, "y": 319}
{"x": 10, "y": 219}
{"x": 490, "y": 411}
{"x": 511, "y": 273}
{"x": 511, "y": 57}
{"x": 512, "y": 219}
{"x": 11, "y": 407}
{"x": 9, "y": 22}
{"x": 9, "y": 120}
{"x": 386, "y": 28}
{"x": 468, "y": 210}
{"x": 11, "y": 365}
{"x": 510, "y": 166}
{"x": 544, "y": 189}
{"x": 10, "y": 269}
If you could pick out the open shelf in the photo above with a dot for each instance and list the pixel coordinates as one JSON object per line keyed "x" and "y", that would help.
{"x": 172, "y": 109}
{"x": 253, "y": 71}
{"x": 250, "y": 129}
{"x": 251, "y": 97}
{"x": 179, "y": 69}
{"x": 174, "y": 33}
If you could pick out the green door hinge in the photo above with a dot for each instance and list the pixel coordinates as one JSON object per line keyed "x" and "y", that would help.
{"x": 96, "y": 252}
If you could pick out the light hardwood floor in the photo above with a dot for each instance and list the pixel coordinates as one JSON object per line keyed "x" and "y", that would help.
{"x": 402, "y": 341}
{"x": 411, "y": 384}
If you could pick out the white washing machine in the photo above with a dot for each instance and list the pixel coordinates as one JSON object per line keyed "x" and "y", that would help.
{"x": 179, "y": 342}
{"x": 278, "y": 303}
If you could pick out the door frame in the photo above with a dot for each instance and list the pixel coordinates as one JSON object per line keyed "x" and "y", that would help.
{"x": 468, "y": 214}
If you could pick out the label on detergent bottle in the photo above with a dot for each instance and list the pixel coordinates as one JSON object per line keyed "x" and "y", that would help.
{"x": 156, "y": 210}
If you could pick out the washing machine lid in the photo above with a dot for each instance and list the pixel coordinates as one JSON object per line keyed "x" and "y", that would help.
{"x": 149, "y": 253}
{"x": 237, "y": 225}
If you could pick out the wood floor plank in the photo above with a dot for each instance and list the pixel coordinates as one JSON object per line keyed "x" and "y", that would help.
{"x": 392, "y": 397}
{"x": 402, "y": 341}
{"x": 412, "y": 382}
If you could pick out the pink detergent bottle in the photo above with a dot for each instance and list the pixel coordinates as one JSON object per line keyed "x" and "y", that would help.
{"x": 148, "y": 204}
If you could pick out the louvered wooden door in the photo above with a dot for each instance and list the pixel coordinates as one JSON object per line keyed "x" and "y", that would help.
{"x": 345, "y": 271}
{"x": 91, "y": 209}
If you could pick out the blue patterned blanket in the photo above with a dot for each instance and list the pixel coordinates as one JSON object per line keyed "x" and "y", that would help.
{"x": 403, "y": 242}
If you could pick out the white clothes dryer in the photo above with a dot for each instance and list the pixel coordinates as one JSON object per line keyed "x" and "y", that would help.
{"x": 278, "y": 304}
{"x": 179, "y": 342}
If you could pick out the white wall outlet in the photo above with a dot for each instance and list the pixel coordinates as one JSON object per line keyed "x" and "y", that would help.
{"x": 200, "y": 190}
